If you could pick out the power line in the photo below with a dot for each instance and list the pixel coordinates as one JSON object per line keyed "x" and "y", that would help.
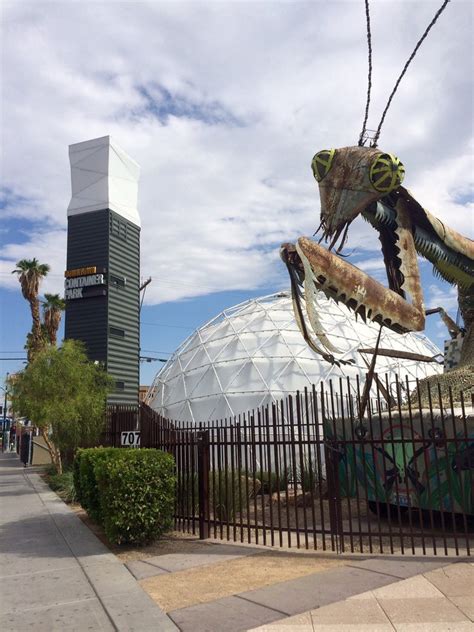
{"x": 49, "y": 275}
{"x": 149, "y": 359}
{"x": 153, "y": 351}
{"x": 144, "y": 322}
{"x": 161, "y": 280}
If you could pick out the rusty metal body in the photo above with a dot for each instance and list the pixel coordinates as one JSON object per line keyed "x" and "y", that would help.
{"x": 360, "y": 180}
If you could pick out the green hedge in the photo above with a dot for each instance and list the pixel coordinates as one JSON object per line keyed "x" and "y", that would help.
{"x": 129, "y": 492}
{"x": 85, "y": 478}
{"x": 136, "y": 495}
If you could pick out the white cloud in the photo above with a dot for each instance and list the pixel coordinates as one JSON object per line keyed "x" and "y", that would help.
{"x": 442, "y": 297}
{"x": 254, "y": 90}
{"x": 47, "y": 247}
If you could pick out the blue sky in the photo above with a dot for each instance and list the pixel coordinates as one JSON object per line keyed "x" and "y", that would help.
{"x": 223, "y": 105}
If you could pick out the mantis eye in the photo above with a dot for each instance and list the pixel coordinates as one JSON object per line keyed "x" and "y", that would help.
{"x": 322, "y": 163}
{"x": 386, "y": 173}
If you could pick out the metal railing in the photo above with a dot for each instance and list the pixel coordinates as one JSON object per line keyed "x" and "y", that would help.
{"x": 310, "y": 472}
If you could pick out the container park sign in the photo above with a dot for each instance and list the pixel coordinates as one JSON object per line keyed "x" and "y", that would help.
{"x": 84, "y": 283}
{"x": 130, "y": 438}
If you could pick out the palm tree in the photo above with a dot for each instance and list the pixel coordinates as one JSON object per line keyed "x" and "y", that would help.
{"x": 30, "y": 273}
{"x": 52, "y": 308}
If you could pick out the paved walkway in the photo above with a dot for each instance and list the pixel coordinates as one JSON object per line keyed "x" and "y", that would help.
{"x": 362, "y": 595}
{"x": 437, "y": 601}
{"x": 55, "y": 575}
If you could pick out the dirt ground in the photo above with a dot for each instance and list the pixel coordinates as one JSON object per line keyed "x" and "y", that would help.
{"x": 216, "y": 580}
{"x": 207, "y": 583}
{"x": 266, "y": 567}
{"x": 173, "y": 542}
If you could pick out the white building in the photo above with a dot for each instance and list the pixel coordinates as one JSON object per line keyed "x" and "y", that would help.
{"x": 254, "y": 354}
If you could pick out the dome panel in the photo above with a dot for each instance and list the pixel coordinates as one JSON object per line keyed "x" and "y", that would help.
{"x": 230, "y": 346}
{"x": 254, "y": 354}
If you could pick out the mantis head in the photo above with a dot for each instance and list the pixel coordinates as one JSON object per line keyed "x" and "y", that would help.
{"x": 350, "y": 179}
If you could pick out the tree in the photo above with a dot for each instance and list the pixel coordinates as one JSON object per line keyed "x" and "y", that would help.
{"x": 30, "y": 273}
{"x": 64, "y": 395}
{"x": 53, "y": 306}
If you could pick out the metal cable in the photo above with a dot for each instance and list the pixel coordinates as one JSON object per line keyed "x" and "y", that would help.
{"x": 369, "y": 79}
{"x": 420, "y": 42}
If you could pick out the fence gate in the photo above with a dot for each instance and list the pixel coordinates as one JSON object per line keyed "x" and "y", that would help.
{"x": 309, "y": 472}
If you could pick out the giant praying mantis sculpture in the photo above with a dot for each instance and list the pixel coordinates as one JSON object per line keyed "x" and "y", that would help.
{"x": 364, "y": 180}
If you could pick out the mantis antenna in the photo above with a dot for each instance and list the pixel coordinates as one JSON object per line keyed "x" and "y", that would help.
{"x": 397, "y": 83}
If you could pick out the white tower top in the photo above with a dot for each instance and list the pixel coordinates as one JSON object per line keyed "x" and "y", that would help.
{"x": 103, "y": 176}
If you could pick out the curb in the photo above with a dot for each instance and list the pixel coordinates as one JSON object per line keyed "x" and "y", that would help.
{"x": 127, "y": 605}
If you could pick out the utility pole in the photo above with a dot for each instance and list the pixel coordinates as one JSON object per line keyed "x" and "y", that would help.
{"x": 142, "y": 288}
{"x": 4, "y": 421}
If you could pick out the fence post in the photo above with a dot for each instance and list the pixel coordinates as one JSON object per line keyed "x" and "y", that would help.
{"x": 203, "y": 479}
{"x": 114, "y": 425}
{"x": 334, "y": 492}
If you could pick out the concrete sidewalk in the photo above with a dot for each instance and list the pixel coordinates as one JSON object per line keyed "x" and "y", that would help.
{"x": 54, "y": 573}
{"x": 375, "y": 594}
{"x": 436, "y": 601}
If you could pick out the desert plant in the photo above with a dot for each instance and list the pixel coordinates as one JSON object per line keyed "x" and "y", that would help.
{"x": 308, "y": 475}
{"x": 271, "y": 482}
{"x": 187, "y": 493}
{"x": 229, "y": 491}
{"x": 63, "y": 485}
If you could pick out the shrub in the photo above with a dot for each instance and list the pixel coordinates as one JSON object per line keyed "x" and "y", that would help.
{"x": 88, "y": 489}
{"x": 136, "y": 494}
{"x": 308, "y": 475}
{"x": 76, "y": 475}
{"x": 187, "y": 491}
{"x": 228, "y": 493}
{"x": 63, "y": 485}
{"x": 271, "y": 483}
{"x": 50, "y": 469}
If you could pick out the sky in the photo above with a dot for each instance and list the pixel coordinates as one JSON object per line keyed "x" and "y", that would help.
{"x": 223, "y": 104}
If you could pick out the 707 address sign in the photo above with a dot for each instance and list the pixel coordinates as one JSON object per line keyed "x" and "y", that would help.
{"x": 130, "y": 438}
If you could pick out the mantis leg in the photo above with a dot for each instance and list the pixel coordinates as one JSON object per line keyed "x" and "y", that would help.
{"x": 344, "y": 282}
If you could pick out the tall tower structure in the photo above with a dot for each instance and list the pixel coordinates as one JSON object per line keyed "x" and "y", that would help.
{"x": 103, "y": 261}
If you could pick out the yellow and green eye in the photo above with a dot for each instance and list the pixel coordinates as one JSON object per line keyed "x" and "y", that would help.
{"x": 386, "y": 173}
{"x": 322, "y": 163}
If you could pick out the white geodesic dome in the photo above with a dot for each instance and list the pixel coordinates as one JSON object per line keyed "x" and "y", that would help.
{"x": 253, "y": 354}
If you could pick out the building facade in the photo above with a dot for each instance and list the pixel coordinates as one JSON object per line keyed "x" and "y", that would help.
{"x": 102, "y": 280}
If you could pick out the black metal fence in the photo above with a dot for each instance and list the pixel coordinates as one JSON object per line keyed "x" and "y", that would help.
{"x": 310, "y": 472}
{"x": 119, "y": 418}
